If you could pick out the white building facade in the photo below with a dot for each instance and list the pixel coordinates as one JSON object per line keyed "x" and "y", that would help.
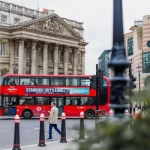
{"x": 34, "y": 42}
{"x": 137, "y": 44}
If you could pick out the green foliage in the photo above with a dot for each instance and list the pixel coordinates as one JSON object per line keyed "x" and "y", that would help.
{"x": 121, "y": 134}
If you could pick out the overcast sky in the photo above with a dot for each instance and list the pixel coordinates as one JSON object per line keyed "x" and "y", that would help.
{"x": 97, "y": 18}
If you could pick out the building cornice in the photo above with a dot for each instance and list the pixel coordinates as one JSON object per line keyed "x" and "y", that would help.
{"x": 83, "y": 43}
{"x": 44, "y": 33}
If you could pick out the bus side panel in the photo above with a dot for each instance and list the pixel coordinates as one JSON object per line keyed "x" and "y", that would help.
{"x": 104, "y": 109}
{"x": 0, "y": 111}
{"x": 19, "y": 110}
{"x": 85, "y": 108}
{"x": 72, "y": 111}
{"x": 36, "y": 110}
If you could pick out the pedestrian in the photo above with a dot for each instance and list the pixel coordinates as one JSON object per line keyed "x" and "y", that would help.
{"x": 53, "y": 119}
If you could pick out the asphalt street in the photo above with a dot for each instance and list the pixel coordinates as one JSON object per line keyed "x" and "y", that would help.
{"x": 29, "y": 131}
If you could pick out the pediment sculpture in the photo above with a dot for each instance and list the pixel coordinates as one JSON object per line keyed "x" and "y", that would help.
{"x": 50, "y": 25}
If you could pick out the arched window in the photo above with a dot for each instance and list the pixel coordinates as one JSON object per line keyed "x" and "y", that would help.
{"x": 70, "y": 58}
{"x": 79, "y": 58}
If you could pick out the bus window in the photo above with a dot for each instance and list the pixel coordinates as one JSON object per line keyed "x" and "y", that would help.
{"x": 11, "y": 81}
{"x": 85, "y": 81}
{"x": 104, "y": 83}
{"x": 72, "y": 81}
{"x": 90, "y": 101}
{"x": 42, "y": 101}
{"x": 58, "y": 81}
{"x": 72, "y": 101}
{"x": 13, "y": 101}
{"x": 84, "y": 101}
{"x": 27, "y": 100}
{"x": 42, "y": 81}
{"x": 27, "y": 81}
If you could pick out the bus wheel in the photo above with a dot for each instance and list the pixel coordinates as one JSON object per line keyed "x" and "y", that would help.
{"x": 89, "y": 114}
{"x": 27, "y": 114}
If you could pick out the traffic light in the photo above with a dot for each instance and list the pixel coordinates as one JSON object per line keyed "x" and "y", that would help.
{"x": 93, "y": 82}
{"x": 132, "y": 85}
{"x": 100, "y": 78}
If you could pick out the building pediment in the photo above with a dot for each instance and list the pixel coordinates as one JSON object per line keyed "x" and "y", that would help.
{"x": 50, "y": 25}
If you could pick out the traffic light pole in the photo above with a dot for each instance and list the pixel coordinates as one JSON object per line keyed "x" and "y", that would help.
{"x": 97, "y": 92}
{"x": 139, "y": 82}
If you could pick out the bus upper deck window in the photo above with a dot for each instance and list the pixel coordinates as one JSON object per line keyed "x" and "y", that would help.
{"x": 10, "y": 81}
{"x": 58, "y": 81}
{"x": 72, "y": 81}
{"x": 85, "y": 82}
{"x": 27, "y": 81}
{"x": 42, "y": 80}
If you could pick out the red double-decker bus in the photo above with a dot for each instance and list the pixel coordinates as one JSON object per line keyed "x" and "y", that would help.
{"x": 30, "y": 95}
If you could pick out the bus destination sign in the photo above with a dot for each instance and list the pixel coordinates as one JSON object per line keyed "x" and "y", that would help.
{"x": 57, "y": 91}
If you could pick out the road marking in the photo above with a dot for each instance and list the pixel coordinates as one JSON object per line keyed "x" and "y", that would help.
{"x": 35, "y": 145}
{"x": 36, "y": 128}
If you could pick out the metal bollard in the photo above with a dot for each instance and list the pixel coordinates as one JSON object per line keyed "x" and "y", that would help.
{"x": 16, "y": 145}
{"x": 126, "y": 113}
{"x": 42, "y": 132}
{"x": 82, "y": 136}
{"x": 63, "y": 128}
{"x": 137, "y": 114}
{"x": 111, "y": 113}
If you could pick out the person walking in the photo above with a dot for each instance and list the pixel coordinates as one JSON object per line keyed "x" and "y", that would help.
{"x": 53, "y": 119}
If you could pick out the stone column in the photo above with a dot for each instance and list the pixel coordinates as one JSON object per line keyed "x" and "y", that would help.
{"x": 33, "y": 59}
{"x": 56, "y": 59}
{"x": 66, "y": 59}
{"x": 45, "y": 59}
{"x": 12, "y": 56}
{"x": 75, "y": 61}
{"x": 25, "y": 59}
{"x": 21, "y": 57}
{"x": 83, "y": 61}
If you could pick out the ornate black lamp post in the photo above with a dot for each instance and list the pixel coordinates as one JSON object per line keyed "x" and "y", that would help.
{"x": 118, "y": 62}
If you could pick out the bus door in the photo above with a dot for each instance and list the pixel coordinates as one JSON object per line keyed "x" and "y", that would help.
{"x": 59, "y": 104}
{"x": 9, "y": 105}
